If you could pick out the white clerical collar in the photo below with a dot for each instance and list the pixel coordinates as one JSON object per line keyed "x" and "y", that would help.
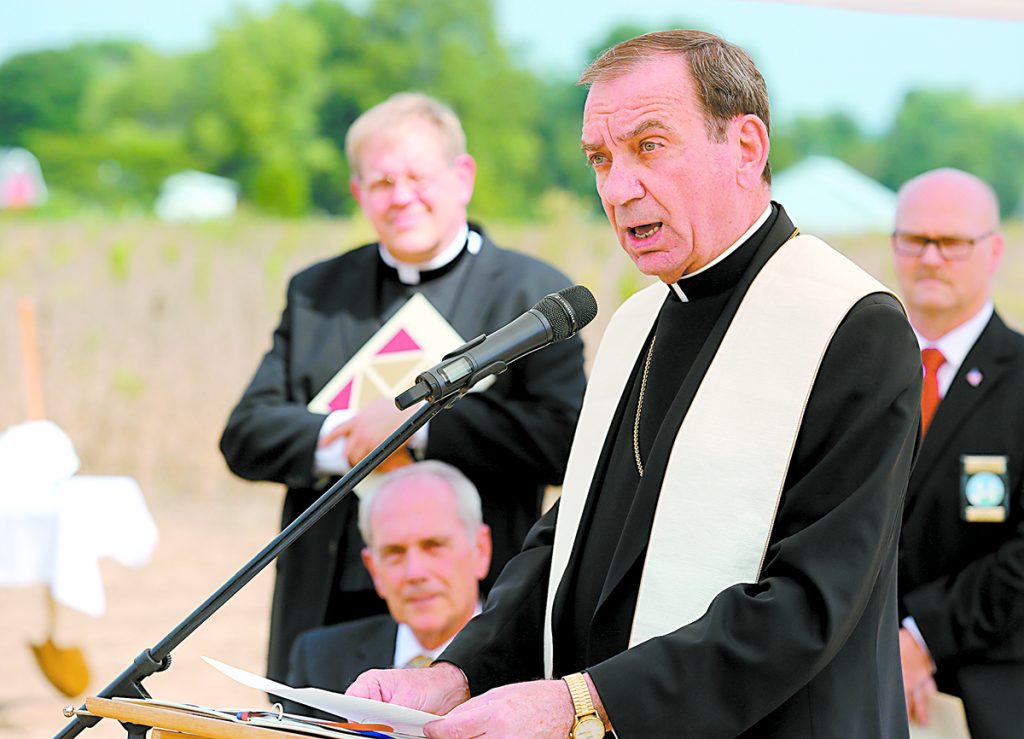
{"x": 408, "y": 647}
{"x": 677, "y": 288}
{"x": 957, "y": 343}
{"x": 409, "y": 273}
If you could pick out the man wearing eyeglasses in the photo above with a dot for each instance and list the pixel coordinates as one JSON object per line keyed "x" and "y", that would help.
{"x": 413, "y": 178}
{"x": 961, "y": 572}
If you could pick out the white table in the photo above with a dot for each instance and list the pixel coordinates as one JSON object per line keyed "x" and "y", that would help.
{"x": 57, "y": 534}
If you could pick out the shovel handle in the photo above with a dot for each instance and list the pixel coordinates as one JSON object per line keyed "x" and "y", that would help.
{"x": 30, "y": 373}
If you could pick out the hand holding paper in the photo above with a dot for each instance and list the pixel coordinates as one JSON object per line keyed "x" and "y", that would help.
{"x": 402, "y": 720}
{"x": 437, "y": 689}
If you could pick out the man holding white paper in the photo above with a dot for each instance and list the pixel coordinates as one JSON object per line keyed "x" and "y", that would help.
{"x": 722, "y": 560}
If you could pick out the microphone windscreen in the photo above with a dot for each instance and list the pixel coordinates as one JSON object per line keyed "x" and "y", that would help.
{"x": 568, "y": 310}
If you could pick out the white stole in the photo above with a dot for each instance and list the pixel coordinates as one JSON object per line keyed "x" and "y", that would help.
{"x": 728, "y": 463}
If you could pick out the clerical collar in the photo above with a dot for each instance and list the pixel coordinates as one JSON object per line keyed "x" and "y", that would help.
{"x": 701, "y": 282}
{"x": 413, "y": 274}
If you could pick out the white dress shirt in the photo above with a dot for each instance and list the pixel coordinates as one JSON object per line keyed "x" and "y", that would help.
{"x": 408, "y": 647}
{"x": 956, "y": 344}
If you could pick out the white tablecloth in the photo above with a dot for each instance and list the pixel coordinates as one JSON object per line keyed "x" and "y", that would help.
{"x": 57, "y": 535}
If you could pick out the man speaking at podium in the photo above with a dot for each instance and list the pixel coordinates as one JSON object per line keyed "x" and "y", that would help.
{"x": 413, "y": 179}
{"x": 724, "y": 560}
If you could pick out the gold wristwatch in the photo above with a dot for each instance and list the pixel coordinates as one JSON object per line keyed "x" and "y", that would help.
{"x": 588, "y": 724}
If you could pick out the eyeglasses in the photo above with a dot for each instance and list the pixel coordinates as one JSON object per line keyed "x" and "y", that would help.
{"x": 383, "y": 186}
{"x": 950, "y": 247}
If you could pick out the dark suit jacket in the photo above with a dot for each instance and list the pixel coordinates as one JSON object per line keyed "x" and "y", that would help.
{"x": 510, "y": 440}
{"x": 811, "y": 649}
{"x": 332, "y": 657}
{"x": 964, "y": 582}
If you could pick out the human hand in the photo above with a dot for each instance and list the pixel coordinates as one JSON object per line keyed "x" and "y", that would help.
{"x": 436, "y": 689}
{"x": 918, "y": 682}
{"x": 368, "y": 428}
{"x": 542, "y": 708}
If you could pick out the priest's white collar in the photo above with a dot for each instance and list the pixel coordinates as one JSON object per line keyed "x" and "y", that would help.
{"x": 409, "y": 273}
{"x": 678, "y": 289}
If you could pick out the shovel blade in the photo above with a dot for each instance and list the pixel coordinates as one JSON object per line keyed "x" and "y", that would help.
{"x": 64, "y": 667}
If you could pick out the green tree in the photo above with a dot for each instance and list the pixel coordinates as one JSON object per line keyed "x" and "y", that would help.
{"x": 952, "y": 129}
{"x": 119, "y": 168}
{"x": 260, "y": 88}
{"x": 43, "y": 90}
{"x": 452, "y": 51}
{"x": 834, "y": 135}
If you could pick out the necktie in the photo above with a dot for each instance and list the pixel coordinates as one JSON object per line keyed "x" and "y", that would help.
{"x": 420, "y": 660}
{"x": 932, "y": 359}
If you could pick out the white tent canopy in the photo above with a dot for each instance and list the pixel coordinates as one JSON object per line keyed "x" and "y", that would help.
{"x": 825, "y": 196}
{"x": 196, "y": 196}
{"x": 21, "y": 179}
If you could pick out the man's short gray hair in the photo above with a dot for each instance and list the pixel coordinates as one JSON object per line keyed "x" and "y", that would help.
{"x": 467, "y": 499}
{"x": 399, "y": 110}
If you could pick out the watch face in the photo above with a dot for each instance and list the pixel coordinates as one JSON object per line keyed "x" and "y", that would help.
{"x": 588, "y": 727}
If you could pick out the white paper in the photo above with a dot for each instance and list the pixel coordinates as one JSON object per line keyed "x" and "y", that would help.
{"x": 947, "y": 719}
{"x": 361, "y": 710}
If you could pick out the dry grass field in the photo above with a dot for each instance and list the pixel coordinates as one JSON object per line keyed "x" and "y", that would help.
{"x": 148, "y": 334}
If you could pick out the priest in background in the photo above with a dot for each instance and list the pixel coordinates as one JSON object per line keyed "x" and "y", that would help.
{"x": 413, "y": 178}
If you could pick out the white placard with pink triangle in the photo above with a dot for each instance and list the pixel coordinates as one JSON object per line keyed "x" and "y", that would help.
{"x": 412, "y": 340}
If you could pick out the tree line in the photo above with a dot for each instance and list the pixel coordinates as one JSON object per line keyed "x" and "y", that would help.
{"x": 268, "y": 103}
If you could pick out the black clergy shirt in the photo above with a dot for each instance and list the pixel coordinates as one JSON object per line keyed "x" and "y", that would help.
{"x": 614, "y": 507}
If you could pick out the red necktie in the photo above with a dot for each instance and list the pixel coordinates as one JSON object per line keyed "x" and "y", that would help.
{"x": 932, "y": 359}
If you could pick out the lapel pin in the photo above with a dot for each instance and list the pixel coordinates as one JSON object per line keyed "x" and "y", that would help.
{"x": 974, "y": 377}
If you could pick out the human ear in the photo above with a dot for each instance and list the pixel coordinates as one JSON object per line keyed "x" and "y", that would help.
{"x": 753, "y": 146}
{"x": 483, "y": 551}
{"x": 371, "y": 567}
{"x": 465, "y": 170}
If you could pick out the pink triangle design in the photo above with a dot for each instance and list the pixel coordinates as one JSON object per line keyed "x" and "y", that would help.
{"x": 341, "y": 400}
{"x": 400, "y": 342}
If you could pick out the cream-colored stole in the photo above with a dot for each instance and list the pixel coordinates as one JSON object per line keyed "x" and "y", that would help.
{"x": 729, "y": 460}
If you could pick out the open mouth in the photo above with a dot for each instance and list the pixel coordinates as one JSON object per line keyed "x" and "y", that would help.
{"x": 644, "y": 231}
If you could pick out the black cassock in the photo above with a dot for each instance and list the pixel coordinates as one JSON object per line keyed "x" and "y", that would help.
{"x": 811, "y": 649}
{"x": 511, "y": 440}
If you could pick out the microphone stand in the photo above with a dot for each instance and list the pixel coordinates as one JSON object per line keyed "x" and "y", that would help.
{"x": 158, "y": 658}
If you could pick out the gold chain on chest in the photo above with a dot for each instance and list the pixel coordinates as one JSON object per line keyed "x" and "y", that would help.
{"x": 640, "y": 407}
{"x": 643, "y": 390}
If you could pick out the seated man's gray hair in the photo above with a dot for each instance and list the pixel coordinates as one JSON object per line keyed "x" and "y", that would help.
{"x": 467, "y": 499}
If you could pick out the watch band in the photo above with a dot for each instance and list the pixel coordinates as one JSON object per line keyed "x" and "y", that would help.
{"x": 580, "y": 693}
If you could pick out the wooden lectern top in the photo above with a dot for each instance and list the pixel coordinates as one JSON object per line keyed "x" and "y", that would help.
{"x": 182, "y": 722}
{"x": 173, "y": 723}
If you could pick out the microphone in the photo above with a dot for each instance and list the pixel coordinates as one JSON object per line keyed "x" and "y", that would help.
{"x": 555, "y": 317}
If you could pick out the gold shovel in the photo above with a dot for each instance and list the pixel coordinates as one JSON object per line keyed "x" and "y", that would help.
{"x": 64, "y": 667}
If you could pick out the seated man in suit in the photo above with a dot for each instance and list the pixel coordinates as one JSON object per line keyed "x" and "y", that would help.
{"x": 961, "y": 576}
{"x": 427, "y": 549}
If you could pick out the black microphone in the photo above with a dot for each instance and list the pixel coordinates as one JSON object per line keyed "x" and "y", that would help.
{"x": 555, "y": 317}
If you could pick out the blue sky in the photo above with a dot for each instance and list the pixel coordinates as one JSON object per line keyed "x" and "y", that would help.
{"x": 815, "y": 59}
